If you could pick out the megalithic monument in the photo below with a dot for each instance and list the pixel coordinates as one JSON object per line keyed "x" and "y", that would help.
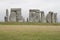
{"x": 51, "y": 17}
{"x": 15, "y": 15}
{"x": 34, "y": 15}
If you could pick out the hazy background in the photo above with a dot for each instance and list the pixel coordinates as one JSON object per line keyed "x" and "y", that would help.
{"x": 43, "y": 5}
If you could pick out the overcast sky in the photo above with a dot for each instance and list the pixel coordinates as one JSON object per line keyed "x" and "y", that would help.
{"x": 43, "y": 5}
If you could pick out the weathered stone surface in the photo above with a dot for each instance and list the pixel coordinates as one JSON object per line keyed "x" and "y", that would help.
{"x": 55, "y": 17}
{"x": 34, "y": 15}
{"x": 6, "y": 12}
{"x": 51, "y": 17}
{"x": 12, "y": 17}
{"x": 19, "y": 17}
{"x": 6, "y": 17}
{"x": 42, "y": 17}
{"x": 15, "y": 15}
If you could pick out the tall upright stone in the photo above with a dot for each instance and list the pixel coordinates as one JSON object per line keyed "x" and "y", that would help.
{"x": 55, "y": 17}
{"x": 49, "y": 17}
{"x": 12, "y": 17}
{"x": 18, "y": 15}
{"x": 7, "y": 12}
{"x": 34, "y": 15}
{"x": 6, "y": 17}
{"x": 42, "y": 17}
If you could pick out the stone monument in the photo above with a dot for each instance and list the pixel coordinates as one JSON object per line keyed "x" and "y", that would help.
{"x": 34, "y": 15}
{"x": 15, "y": 15}
{"x": 51, "y": 17}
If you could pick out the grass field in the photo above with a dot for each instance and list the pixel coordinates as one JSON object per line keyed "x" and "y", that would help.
{"x": 29, "y": 23}
{"x": 29, "y": 32}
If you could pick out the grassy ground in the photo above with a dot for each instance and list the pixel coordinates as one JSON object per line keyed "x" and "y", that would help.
{"x": 29, "y": 32}
{"x": 29, "y": 23}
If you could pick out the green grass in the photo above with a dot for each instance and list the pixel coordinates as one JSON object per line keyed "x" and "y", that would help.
{"x": 28, "y": 23}
{"x": 28, "y": 34}
{"x": 14, "y": 35}
{"x": 9, "y": 32}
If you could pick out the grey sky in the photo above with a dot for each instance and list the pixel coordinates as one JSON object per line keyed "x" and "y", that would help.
{"x": 43, "y": 5}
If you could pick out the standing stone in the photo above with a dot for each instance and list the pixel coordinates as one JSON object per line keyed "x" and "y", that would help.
{"x": 6, "y": 17}
{"x": 49, "y": 17}
{"x": 19, "y": 17}
{"x": 42, "y": 17}
{"x": 55, "y": 17}
{"x": 7, "y": 12}
{"x": 27, "y": 20}
{"x": 34, "y": 15}
{"x": 13, "y": 17}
